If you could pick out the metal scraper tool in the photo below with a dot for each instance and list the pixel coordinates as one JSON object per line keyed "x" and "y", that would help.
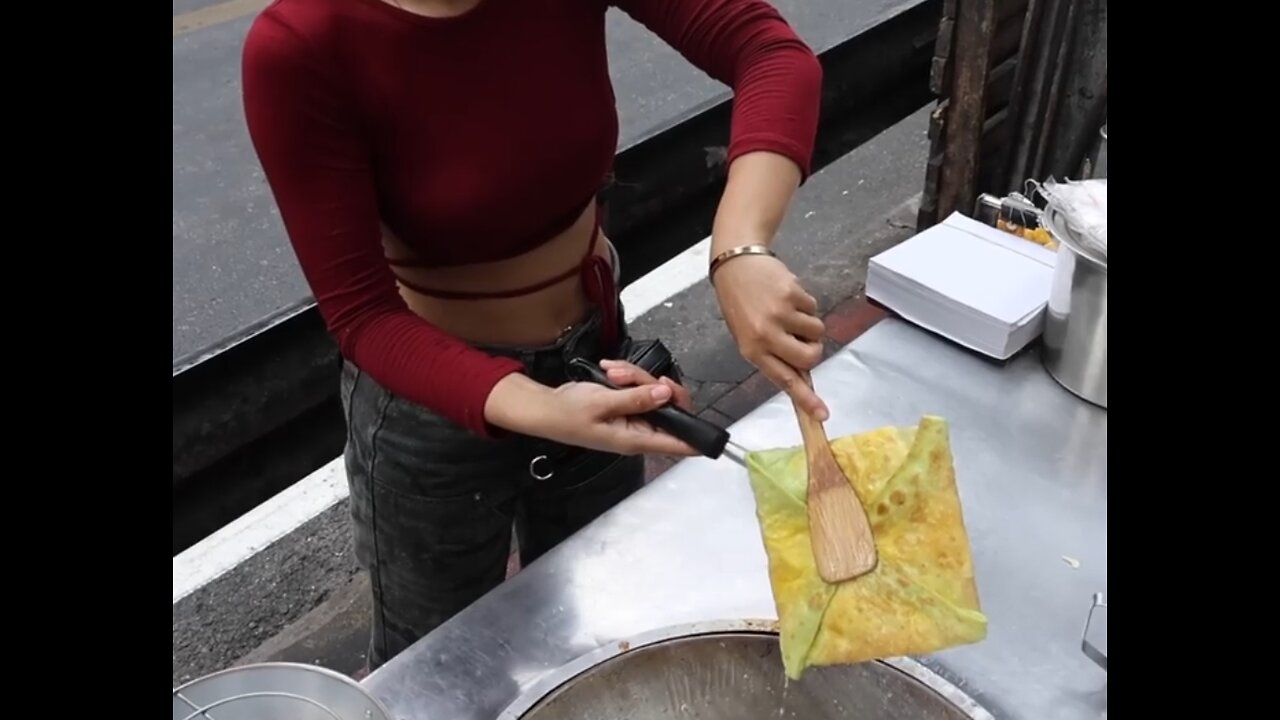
{"x": 701, "y": 435}
{"x": 839, "y": 529}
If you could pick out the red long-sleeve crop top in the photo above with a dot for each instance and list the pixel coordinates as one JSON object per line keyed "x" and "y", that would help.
{"x": 473, "y": 138}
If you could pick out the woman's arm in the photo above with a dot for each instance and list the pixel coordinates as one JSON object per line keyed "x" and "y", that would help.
{"x": 747, "y": 45}
{"x": 319, "y": 172}
{"x": 771, "y": 316}
{"x": 777, "y": 83}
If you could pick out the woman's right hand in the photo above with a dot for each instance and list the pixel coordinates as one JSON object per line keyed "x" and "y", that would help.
{"x": 585, "y": 415}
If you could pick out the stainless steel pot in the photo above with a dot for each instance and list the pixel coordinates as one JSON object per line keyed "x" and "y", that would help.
{"x": 1075, "y": 326}
{"x": 275, "y": 691}
{"x": 732, "y": 670}
{"x": 1100, "y": 157}
{"x": 1095, "y": 164}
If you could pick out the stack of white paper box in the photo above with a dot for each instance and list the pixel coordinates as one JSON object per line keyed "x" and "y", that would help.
{"x": 983, "y": 288}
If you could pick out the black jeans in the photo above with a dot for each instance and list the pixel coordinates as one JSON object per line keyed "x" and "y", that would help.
{"x": 433, "y": 506}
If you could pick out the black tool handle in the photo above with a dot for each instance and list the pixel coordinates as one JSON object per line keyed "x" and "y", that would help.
{"x": 701, "y": 435}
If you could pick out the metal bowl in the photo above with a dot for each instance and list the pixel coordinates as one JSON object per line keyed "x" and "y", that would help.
{"x": 733, "y": 671}
{"x": 275, "y": 691}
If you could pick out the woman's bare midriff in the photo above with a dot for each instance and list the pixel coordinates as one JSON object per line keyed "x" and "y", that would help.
{"x": 535, "y": 318}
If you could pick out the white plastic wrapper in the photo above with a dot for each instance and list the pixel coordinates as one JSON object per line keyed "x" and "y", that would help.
{"x": 1082, "y": 205}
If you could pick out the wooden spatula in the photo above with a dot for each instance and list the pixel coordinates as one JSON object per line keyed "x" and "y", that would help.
{"x": 838, "y": 526}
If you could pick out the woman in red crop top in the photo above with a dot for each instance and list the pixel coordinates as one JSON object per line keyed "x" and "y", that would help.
{"x": 436, "y": 164}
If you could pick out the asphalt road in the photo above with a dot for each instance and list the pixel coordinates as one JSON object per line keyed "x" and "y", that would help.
{"x": 231, "y": 263}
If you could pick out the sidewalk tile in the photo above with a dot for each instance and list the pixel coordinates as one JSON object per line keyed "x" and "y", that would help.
{"x": 851, "y": 318}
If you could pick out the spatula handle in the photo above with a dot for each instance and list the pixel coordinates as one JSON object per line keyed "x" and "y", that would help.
{"x": 812, "y": 431}
{"x": 699, "y": 434}
{"x": 810, "y": 428}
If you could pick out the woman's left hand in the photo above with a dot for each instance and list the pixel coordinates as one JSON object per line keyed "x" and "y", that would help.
{"x": 625, "y": 374}
{"x": 775, "y": 323}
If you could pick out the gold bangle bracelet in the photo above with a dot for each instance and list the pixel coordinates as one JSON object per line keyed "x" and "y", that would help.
{"x": 731, "y": 253}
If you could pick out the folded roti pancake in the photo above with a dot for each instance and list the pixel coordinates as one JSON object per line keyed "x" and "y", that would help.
{"x": 920, "y": 598}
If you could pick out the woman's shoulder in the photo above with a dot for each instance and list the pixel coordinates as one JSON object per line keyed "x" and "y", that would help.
{"x": 295, "y": 23}
{"x": 296, "y": 34}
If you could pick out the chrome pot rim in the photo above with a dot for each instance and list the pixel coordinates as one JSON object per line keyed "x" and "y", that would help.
{"x": 555, "y": 679}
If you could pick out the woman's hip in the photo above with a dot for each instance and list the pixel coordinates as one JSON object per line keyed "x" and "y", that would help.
{"x": 532, "y": 316}
{"x": 416, "y": 451}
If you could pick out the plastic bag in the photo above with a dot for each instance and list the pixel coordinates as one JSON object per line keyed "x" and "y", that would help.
{"x": 1079, "y": 207}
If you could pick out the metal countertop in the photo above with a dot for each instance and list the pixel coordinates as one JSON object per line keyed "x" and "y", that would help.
{"x": 1031, "y": 464}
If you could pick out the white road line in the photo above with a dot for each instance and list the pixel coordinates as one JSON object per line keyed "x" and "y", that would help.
{"x": 676, "y": 274}
{"x": 257, "y": 529}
